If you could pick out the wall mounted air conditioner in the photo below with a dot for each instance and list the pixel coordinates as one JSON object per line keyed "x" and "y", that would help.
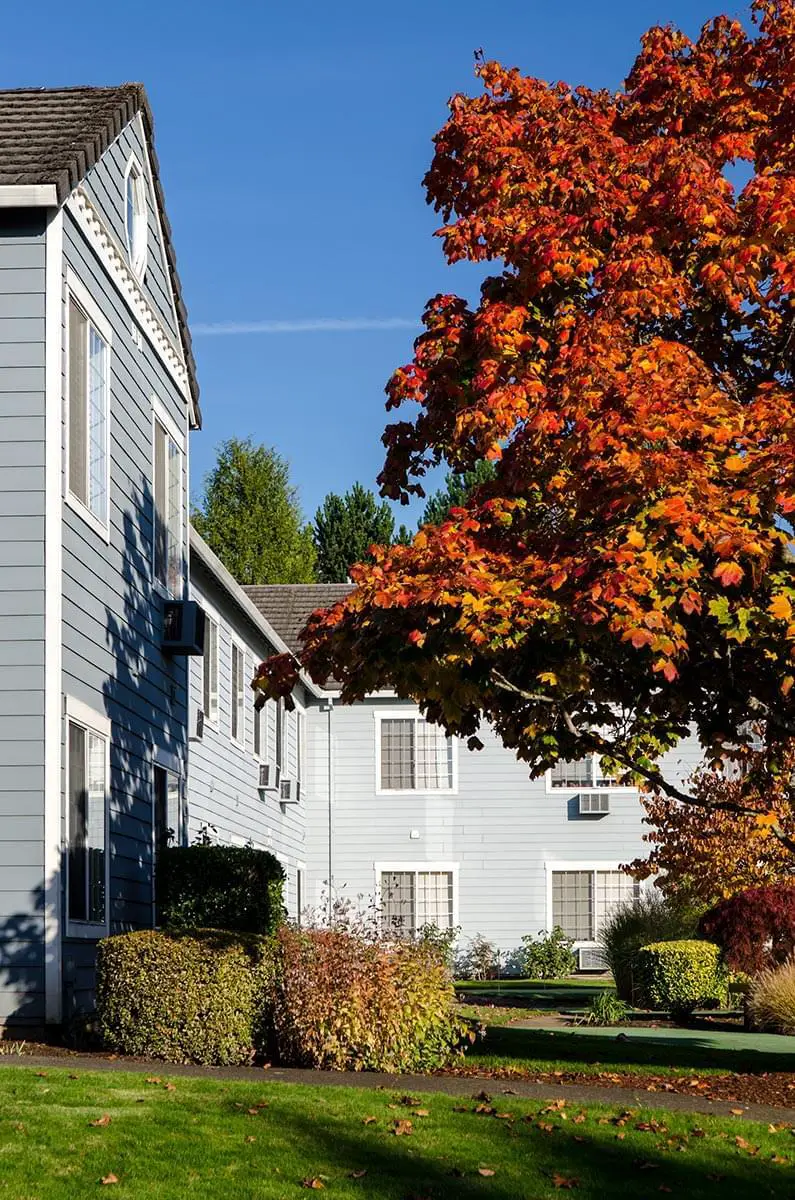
{"x": 268, "y": 777}
{"x": 589, "y": 958}
{"x": 183, "y": 627}
{"x": 594, "y": 803}
{"x": 290, "y": 791}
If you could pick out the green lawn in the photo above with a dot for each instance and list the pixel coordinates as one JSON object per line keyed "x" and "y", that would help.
{"x": 62, "y": 1133}
{"x": 662, "y": 1051}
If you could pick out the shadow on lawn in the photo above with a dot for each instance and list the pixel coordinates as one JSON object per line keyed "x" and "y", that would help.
{"x": 559, "y": 1046}
{"x": 597, "y": 1167}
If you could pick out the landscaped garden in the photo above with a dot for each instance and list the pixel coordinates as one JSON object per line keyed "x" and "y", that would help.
{"x": 65, "y": 1134}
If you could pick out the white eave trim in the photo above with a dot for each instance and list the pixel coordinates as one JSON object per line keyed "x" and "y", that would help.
{"x": 28, "y": 195}
{"x": 216, "y": 568}
{"x": 114, "y": 260}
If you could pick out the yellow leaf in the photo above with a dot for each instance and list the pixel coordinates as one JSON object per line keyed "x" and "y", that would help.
{"x": 636, "y": 538}
{"x": 780, "y": 607}
{"x": 734, "y": 463}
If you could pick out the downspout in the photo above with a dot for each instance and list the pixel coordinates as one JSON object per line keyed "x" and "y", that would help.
{"x": 330, "y": 769}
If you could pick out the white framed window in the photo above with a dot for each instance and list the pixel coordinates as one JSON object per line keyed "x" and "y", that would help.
{"x": 135, "y": 217}
{"x": 412, "y": 755}
{"x": 300, "y": 748}
{"x": 167, "y": 807}
{"x": 167, "y": 506}
{"x": 582, "y": 774}
{"x": 210, "y": 671}
{"x": 581, "y": 895}
{"x": 89, "y": 341}
{"x": 87, "y": 787}
{"x": 412, "y": 895}
{"x": 237, "y": 698}
{"x": 260, "y": 735}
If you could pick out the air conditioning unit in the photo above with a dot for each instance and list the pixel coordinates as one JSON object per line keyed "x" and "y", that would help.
{"x": 590, "y": 958}
{"x": 592, "y": 803}
{"x": 290, "y": 791}
{"x": 183, "y": 627}
{"x": 269, "y": 775}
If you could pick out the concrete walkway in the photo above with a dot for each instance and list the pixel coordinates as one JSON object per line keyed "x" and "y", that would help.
{"x": 447, "y": 1085}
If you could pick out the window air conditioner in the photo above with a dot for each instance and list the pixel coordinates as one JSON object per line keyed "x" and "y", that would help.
{"x": 290, "y": 791}
{"x": 594, "y": 803}
{"x": 268, "y": 777}
{"x": 183, "y": 627}
{"x": 590, "y": 958}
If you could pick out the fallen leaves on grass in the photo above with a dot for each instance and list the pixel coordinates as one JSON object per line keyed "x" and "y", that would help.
{"x": 742, "y": 1144}
{"x": 565, "y": 1182}
{"x": 402, "y": 1128}
{"x": 100, "y": 1122}
{"x": 486, "y": 1172}
{"x": 111, "y": 1178}
{"x": 420, "y": 1112}
{"x": 314, "y": 1183}
{"x": 369, "y": 1120}
{"x": 358, "y": 1174}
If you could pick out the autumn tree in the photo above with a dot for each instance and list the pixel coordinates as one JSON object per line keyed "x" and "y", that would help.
{"x": 629, "y": 370}
{"x": 709, "y": 852}
{"x": 249, "y": 515}
{"x": 346, "y": 527}
{"x": 457, "y": 491}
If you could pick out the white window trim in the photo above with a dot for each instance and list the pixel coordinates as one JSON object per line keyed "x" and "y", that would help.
{"x": 405, "y": 714}
{"x": 235, "y": 643}
{"x": 624, "y": 788}
{"x": 390, "y": 865}
{"x": 211, "y": 615}
{"x": 591, "y": 865}
{"x": 161, "y": 417}
{"x": 138, "y": 267}
{"x": 95, "y": 722}
{"x": 85, "y": 301}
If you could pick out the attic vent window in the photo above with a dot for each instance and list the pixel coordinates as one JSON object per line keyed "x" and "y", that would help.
{"x": 135, "y": 217}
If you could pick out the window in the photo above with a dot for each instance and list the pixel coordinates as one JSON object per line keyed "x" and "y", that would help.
{"x": 210, "y": 672}
{"x": 167, "y": 509}
{"x": 279, "y": 734}
{"x": 584, "y": 773}
{"x": 89, "y": 362}
{"x": 411, "y": 899}
{"x": 582, "y": 899}
{"x": 414, "y": 756}
{"x": 87, "y": 787}
{"x": 167, "y": 809}
{"x": 260, "y": 738}
{"x": 238, "y": 711}
{"x": 135, "y": 217}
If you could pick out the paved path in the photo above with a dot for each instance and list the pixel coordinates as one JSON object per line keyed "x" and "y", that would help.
{"x": 447, "y": 1085}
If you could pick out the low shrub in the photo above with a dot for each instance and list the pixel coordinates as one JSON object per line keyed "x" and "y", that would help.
{"x": 605, "y": 1009}
{"x": 681, "y": 976}
{"x": 345, "y": 1003}
{"x": 219, "y": 887}
{"x": 549, "y": 956}
{"x": 198, "y": 996}
{"x": 755, "y": 929}
{"x": 480, "y": 960}
{"x": 631, "y": 924}
{"x": 441, "y": 940}
{"x": 771, "y": 1000}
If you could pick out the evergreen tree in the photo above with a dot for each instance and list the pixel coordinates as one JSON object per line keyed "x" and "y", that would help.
{"x": 345, "y": 527}
{"x": 457, "y": 489}
{"x": 250, "y": 516}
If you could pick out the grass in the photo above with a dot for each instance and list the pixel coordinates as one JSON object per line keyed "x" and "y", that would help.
{"x": 247, "y": 1141}
{"x": 541, "y": 995}
{"x": 663, "y": 1052}
{"x": 494, "y": 1015}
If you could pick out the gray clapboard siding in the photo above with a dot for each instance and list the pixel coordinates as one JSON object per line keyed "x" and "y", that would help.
{"x": 22, "y": 490}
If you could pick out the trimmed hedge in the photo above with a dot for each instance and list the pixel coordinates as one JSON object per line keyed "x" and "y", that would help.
{"x": 235, "y": 888}
{"x": 198, "y": 996}
{"x": 755, "y": 929}
{"x": 345, "y": 1003}
{"x": 681, "y": 976}
{"x": 641, "y": 921}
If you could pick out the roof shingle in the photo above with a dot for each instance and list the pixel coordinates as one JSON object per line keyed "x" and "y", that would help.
{"x": 287, "y": 606}
{"x": 56, "y": 135}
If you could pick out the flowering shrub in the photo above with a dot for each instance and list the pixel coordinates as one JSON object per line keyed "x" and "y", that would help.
{"x": 343, "y": 1002}
{"x": 755, "y": 929}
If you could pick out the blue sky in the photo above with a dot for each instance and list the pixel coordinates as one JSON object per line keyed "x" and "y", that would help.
{"x": 292, "y": 141}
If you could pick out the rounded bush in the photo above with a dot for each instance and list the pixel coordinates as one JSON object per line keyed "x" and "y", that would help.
{"x": 771, "y": 1000}
{"x": 681, "y": 976}
{"x": 647, "y": 918}
{"x": 343, "y": 1002}
{"x": 198, "y": 996}
{"x": 220, "y": 887}
{"x": 755, "y": 929}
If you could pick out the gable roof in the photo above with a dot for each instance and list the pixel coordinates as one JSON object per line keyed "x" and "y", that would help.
{"x": 287, "y": 606}
{"x": 56, "y": 135}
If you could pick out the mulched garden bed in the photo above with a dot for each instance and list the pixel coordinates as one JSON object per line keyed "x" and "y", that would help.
{"x": 774, "y": 1088}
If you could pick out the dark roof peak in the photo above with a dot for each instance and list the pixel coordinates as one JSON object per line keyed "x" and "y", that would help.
{"x": 287, "y": 606}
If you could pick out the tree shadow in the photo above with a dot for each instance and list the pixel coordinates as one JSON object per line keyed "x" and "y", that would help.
{"x": 22, "y": 965}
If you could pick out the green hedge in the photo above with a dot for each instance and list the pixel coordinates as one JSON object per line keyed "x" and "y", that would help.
{"x": 681, "y": 976}
{"x": 198, "y": 996}
{"x": 220, "y": 887}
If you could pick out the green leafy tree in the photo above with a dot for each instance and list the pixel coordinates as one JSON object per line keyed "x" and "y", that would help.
{"x": 345, "y": 528}
{"x": 457, "y": 490}
{"x": 250, "y": 516}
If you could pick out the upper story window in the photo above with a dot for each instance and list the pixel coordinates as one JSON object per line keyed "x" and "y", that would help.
{"x": 583, "y": 773}
{"x": 167, "y": 509}
{"x": 210, "y": 671}
{"x": 238, "y": 694}
{"x": 414, "y": 756}
{"x": 89, "y": 410}
{"x": 135, "y": 217}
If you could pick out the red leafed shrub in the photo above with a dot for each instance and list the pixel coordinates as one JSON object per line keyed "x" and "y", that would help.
{"x": 755, "y": 929}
